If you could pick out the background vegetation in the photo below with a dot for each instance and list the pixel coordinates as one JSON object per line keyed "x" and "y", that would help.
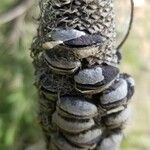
{"x": 18, "y": 125}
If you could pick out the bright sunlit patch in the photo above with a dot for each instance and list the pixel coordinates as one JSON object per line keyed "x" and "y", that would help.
{"x": 139, "y": 3}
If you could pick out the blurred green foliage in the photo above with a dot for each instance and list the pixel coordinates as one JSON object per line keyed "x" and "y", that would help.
{"x": 18, "y": 124}
{"x": 5, "y": 4}
{"x": 18, "y": 99}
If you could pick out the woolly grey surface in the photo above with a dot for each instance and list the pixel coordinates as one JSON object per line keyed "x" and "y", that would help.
{"x": 118, "y": 94}
{"x": 90, "y": 76}
{"x": 77, "y": 106}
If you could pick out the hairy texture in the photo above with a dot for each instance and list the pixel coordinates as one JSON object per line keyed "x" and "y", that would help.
{"x": 83, "y": 98}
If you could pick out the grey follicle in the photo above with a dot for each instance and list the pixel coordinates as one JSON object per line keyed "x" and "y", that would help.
{"x": 72, "y": 126}
{"x": 66, "y": 35}
{"x": 74, "y": 38}
{"x": 85, "y": 138}
{"x": 111, "y": 142}
{"x": 118, "y": 119}
{"x": 59, "y": 36}
{"x": 89, "y": 76}
{"x": 61, "y": 64}
{"x": 95, "y": 79}
{"x": 77, "y": 106}
{"x": 117, "y": 94}
{"x": 59, "y": 141}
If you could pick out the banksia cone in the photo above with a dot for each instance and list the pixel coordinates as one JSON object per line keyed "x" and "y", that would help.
{"x": 83, "y": 97}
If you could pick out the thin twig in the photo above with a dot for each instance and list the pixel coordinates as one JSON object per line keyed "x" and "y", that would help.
{"x": 16, "y": 30}
{"x": 130, "y": 26}
{"x": 18, "y": 10}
